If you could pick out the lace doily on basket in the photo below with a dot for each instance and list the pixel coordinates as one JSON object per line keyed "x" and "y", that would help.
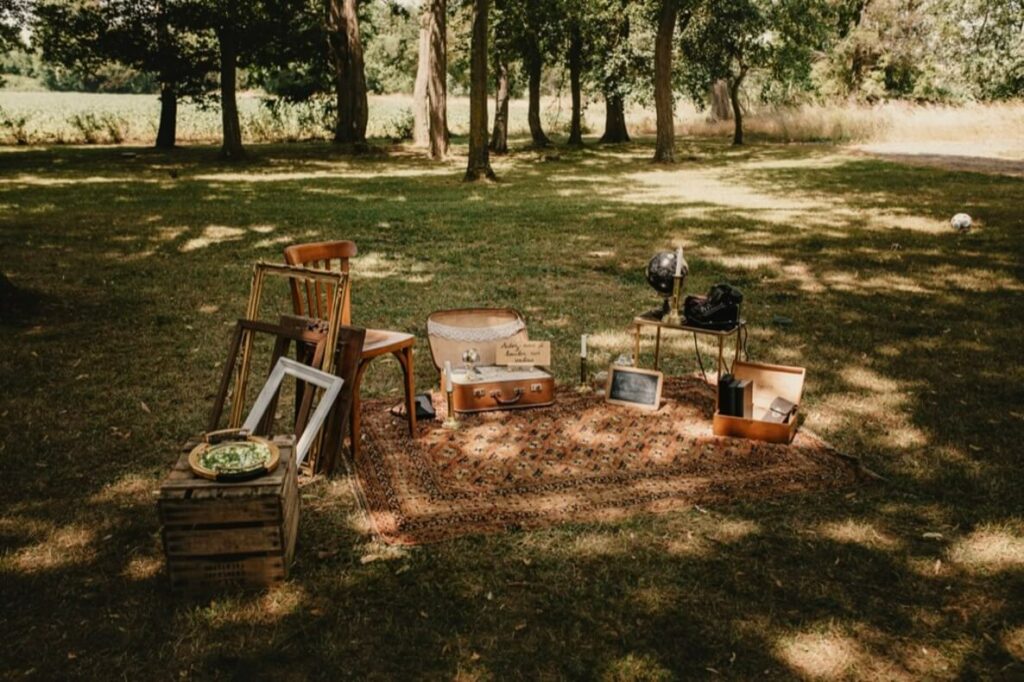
{"x": 477, "y": 334}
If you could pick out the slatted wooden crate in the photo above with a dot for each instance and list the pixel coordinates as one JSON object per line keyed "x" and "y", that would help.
{"x": 229, "y": 535}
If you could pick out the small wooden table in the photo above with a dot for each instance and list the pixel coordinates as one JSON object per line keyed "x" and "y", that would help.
{"x": 650, "y": 320}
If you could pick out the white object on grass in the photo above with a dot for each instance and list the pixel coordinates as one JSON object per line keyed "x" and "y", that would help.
{"x": 330, "y": 383}
{"x": 961, "y": 222}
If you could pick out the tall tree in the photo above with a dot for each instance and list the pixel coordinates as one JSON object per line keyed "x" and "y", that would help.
{"x": 574, "y": 29}
{"x": 994, "y": 30}
{"x": 248, "y": 33}
{"x": 231, "y": 128}
{"x": 499, "y": 137}
{"x": 533, "y": 30}
{"x": 346, "y": 51}
{"x": 479, "y": 164}
{"x": 149, "y": 36}
{"x": 430, "y": 97}
{"x": 506, "y": 23}
{"x": 719, "y": 106}
{"x": 665, "y": 148}
{"x": 613, "y": 70}
{"x": 728, "y": 39}
{"x": 13, "y": 15}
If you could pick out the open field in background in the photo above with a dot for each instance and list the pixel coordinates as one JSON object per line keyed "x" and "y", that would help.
{"x": 910, "y": 333}
{"x": 974, "y": 130}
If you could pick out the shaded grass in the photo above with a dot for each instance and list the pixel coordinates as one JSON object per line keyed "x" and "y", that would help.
{"x": 910, "y": 334}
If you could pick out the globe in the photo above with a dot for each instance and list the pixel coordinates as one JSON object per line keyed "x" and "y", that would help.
{"x": 661, "y": 272}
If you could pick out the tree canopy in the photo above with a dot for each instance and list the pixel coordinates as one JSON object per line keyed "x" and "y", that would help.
{"x": 621, "y": 51}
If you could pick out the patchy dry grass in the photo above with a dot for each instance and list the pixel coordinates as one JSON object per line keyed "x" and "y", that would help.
{"x": 910, "y": 333}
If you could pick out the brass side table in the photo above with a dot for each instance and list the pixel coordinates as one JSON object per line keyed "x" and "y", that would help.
{"x": 649, "y": 320}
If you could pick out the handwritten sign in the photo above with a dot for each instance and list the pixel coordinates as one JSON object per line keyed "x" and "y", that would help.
{"x": 640, "y": 388}
{"x": 534, "y": 353}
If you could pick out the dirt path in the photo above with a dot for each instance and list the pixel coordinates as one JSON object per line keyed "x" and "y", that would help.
{"x": 933, "y": 156}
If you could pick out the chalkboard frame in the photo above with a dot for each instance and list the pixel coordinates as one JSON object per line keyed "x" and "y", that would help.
{"x": 617, "y": 400}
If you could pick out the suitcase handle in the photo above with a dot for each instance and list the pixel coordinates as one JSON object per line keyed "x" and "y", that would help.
{"x": 509, "y": 401}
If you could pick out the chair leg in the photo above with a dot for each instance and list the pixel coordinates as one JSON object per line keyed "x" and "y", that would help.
{"x": 405, "y": 358}
{"x": 355, "y": 432}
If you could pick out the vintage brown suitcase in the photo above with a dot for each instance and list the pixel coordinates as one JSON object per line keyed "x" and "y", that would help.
{"x": 487, "y": 387}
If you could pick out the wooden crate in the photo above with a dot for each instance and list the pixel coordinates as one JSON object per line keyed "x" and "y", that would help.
{"x": 770, "y": 381}
{"x": 229, "y": 535}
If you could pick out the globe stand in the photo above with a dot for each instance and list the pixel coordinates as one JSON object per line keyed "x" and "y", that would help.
{"x": 673, "y": 317}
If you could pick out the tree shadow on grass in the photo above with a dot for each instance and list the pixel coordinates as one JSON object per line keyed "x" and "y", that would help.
{"x": 906, "y": 332}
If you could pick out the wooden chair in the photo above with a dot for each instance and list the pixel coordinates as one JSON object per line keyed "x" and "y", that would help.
{"x": 314, "y": 300}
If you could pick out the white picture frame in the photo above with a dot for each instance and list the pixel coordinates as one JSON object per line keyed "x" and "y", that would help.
{"x": 286, "y": 366}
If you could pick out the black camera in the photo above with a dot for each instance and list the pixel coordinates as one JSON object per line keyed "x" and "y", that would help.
{"x": 719, "y": 310}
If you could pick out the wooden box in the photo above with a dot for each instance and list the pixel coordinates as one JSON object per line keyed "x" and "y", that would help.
{"x": 770, "y": 382}
{"x": 230, "y": 535}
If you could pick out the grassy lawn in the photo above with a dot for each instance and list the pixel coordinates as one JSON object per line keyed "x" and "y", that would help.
{"x": 911, "y": 335}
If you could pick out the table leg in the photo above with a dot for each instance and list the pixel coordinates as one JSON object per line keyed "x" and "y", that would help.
{"x": 719, "y": 367}
{"x": 636, "y": 347}
{"x": 738, "y": 336}
{"x": 657, "y": 346}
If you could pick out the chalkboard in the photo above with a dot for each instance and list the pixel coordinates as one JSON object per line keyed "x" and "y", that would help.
{"x": 639, "y": 388}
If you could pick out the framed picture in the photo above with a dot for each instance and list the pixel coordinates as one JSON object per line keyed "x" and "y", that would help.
{"x": 632, "y": 387}
{"x": 288, "y": 367}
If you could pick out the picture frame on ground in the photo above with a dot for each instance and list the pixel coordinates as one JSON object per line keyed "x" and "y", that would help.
{"x": 288, "y": 367}
{"x": 634, "y": 387}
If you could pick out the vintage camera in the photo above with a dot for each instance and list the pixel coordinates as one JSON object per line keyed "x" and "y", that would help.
{"x": 719, "y": 310}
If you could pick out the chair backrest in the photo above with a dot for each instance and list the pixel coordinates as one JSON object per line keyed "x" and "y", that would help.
{"x": 314, "y": 300}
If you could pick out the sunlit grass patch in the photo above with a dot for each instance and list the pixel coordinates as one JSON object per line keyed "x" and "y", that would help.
{"x": 908, "y": 333}
{"x": 990, "y": 549}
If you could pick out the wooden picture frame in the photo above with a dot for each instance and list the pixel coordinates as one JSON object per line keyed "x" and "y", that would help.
{"x": 338, "y": 283}
{"x": 268, "y": 395}
{"x": 632, "y": 387}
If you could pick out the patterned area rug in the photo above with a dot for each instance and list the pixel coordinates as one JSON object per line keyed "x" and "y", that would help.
{"x": 579, "y": 460}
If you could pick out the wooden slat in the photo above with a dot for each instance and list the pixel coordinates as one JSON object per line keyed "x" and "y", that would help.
{"x": 202, "y": 576}
{"x": 219, "y": 542}
{"x": 191, "y": 512}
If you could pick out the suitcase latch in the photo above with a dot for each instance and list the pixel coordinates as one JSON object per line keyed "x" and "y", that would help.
{"x": 536, "y": 388}
{"x": 479, "y": 393}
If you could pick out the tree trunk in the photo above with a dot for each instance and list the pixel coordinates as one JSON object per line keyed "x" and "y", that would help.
{"x": 430, "y": 94}
{"x": 719, "y": 99}
{"x": 499, "y": 138}
{"x": 534, "y": 65}
{"x": 614, "y": 104}
{"x": 575, "y": 88}
{"x": 737, "y": 110}
{"x": 420, "y": 106}
{"x": 166, "y": 135}
{"x": 479, "y": 164}
{"x": 437, "y": 81}
{"x": 349, "y": 76}
{"x": 232, "y": 129}
{"x": 665, "y": 150}
{"x": 614, "y": 120}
